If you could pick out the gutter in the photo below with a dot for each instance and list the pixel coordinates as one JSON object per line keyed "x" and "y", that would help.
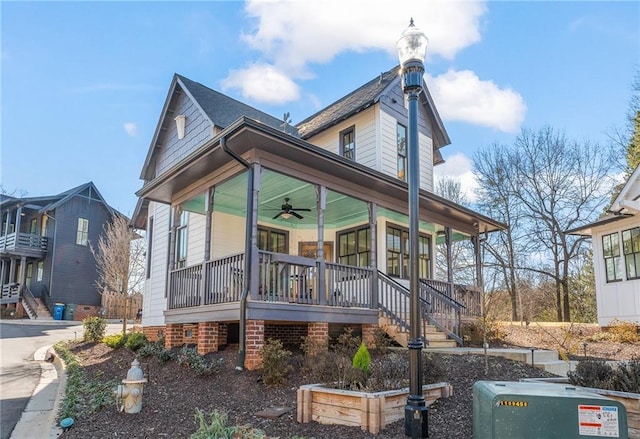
{"x": 247, "y": 253}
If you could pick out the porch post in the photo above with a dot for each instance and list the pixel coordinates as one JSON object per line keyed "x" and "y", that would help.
{"x": 18, "y": 218}
{"x": 6, "y": 228}
{"x": 373, "y": 223}
{"x": 12, "y": 271}
{"x": 207, "y": 227}
{"x": 447, "y": 238}
{"x": 478, "y": 259}
{"x": 255, "y": 257}
{"x": 23, "y": 270}
{"x": 3, "y": 271}
{"x": 175, "y": 219}
{"x": 321, "y": 192}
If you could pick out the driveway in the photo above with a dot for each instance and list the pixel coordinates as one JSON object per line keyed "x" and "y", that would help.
{"x": 19, "y": 374}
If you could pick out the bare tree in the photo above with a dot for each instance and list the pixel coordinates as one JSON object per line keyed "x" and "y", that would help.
{"x": 120, "y": 256}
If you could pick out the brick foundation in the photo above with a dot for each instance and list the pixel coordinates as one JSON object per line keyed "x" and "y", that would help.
{"x": 291, "y": 336}
{"x": 368, "y": 335}
{"x": 208, "y": 337}
{"x": 223, "y": 332}
{"x": 190, "y": 333}
{"x": 318, "y": 334}
{"x": 153, "y": 333}
{"x": 254, "y": 334}
{"x": 173, "y": 335}
{"x": 86, "y": 311}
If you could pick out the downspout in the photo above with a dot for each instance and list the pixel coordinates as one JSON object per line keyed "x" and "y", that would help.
{"x": 247, "y": 254}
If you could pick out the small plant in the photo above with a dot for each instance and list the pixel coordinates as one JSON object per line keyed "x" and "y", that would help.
{"x": 362, "y": 360}
{"x": 626, "y": 376}
{"x": 135, "y": 341}
{"x": 94, "y": 328}
{"x": 275, "y": 362}
{"x": 157, "y": 350}
{"x": 189, "y": 357}
{"x": 216, "y": 428}
{"x": 115, "y": 341}
{"x": 623, "y": 332}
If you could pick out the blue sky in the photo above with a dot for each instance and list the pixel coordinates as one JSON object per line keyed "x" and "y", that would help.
{"x": 83, "y": 83}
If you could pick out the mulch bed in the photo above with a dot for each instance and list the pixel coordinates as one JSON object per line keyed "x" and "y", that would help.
{"x": 174, "y": 392}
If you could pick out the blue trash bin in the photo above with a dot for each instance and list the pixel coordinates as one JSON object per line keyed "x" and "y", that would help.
{"x": 58, "y": 311}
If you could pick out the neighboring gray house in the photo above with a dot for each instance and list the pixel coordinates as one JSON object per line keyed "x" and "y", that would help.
{"x": 256, "y": 229}
{"x": 44, "y": 251}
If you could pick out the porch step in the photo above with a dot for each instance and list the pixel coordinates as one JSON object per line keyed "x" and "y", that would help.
{"x": 42, "y": 313}
{"x": 435, "y": 337}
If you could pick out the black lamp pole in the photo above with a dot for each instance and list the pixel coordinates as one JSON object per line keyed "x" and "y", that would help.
{"x": 411, "y": 50}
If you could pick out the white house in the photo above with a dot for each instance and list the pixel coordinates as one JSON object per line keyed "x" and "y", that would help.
{"x": 616, "y": 255}
{"x": 259, "y": 229}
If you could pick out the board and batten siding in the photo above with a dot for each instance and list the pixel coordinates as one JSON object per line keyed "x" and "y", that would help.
{"x": 155, "y": 302}
{"x": 195, "y": 238}
{"x": 615, "y": 300}
{"x": 198, "y": 130}
{"x": 365, "y": 127}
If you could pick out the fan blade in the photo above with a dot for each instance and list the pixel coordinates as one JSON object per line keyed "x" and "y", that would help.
{"x": 301, "y": 210}
{"x": 295, "y": 214}
{"x": 279, "y": 213}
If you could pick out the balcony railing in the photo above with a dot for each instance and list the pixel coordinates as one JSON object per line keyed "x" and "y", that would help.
{"x": 22, "y": 241}
{"x": 10, "y": 293}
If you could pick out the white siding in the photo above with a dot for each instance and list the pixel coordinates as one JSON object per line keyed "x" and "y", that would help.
{"x": 197, "y": 131}
{"x": 616, "y": 300}
{"x": 155, "y": 301}
{"x": 228, "y": 232}
{"x": 365, "y": 124}
{"x": 195, "y": 238}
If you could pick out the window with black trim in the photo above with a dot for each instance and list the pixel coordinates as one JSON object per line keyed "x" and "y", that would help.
{"x": 348, "y": 143}
{"x": 273, "y": 240}
{"x": 82, "y": 235}
{"x": 631, "y": 249}
{"x": 354, "y": 247}
{"x": 181, "y": 240}
{"x": 611, "y": 252}
{"x": 398, "y": 253}
{"x": 401, "y": 132}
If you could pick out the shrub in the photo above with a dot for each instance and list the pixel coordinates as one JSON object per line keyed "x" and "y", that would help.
{"x": 432, "y": 369}
{"x": 362, "y": 360}
{"x": 592, "y": 373}
{"x": 275, "y": 362}
{"x": 115, "y": 341}
{"x": 626, "y": 377}
{"x": 623, "y": 332}
{"x": 381, "y": 340}
{"x": 135, "y": 341}
{"x": 473, "y": 332}
{"x": 189, "y": 357}
{"x": 94, "y": 328}
{"x": 157, "y": 350}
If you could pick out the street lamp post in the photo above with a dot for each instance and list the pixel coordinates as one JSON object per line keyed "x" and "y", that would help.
{"x": 412, "y": 48}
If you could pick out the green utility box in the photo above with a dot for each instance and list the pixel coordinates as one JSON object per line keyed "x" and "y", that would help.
{"x": 525, "y": 410}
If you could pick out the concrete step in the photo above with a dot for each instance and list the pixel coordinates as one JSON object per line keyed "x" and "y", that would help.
{"x": 442, "y": 343}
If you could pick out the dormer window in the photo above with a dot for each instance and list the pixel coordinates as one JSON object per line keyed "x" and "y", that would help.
{"x": 348, "y": 143}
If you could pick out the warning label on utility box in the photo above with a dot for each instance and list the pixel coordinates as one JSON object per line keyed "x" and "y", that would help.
{"x": 597, "y": 420}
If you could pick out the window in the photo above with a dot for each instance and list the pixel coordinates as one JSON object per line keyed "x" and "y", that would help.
{"x": 611, "y": 251}
{"x": 181, "y": 240}
{"x": 272, "y": 240}
{"x": 354, "y": 247}
{"x": 401, "y": 132}
{"x": 82, "y": 236}
{"x": 631, "y": 248}
{"x": 149, "y": 246}
{"x": 398, "y": 253}
{"x": 348, "y": 143}
{"x": 40, "y": 271}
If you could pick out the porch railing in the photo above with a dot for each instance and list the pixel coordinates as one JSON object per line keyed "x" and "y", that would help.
{"x": 286, "y": 278}
{"x": 24, "y": 241}
{"x": 45, "y": 295}
{"x": 465, "y": 295}
{"x": 350, "y": 286}
{"x": 442, "y": 311}
{"x": 10, "y": 293}
{"x": 30, "y": 302}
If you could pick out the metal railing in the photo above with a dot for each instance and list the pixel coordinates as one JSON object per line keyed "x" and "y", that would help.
{"x": 29, "y": 302}
{"x": 25, "y": 241}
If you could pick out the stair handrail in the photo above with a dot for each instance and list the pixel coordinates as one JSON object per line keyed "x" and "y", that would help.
{"x": 29, "y": 301}
{"x": 46, "y": 298}
{"x": 434, "y": 313}
{"x": 402, "y": 299}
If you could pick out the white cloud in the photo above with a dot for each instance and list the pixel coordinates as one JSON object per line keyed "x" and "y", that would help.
{"x": 131, "y": 128}
{"x": 460, "y": 168}
{"x": 263, "y": 83}
{"x": 461, "y": 95}
{"x": 292, "y": 35}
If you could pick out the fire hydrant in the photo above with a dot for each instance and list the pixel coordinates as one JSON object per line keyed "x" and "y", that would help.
{"x": 130, "y": 391}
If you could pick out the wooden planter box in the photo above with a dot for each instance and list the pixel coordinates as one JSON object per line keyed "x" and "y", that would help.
{"x": 631, "y": 402}
{"x": 370, "y": 411}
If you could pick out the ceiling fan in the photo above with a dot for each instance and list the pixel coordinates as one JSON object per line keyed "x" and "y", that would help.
{"x": 287, "y": 211}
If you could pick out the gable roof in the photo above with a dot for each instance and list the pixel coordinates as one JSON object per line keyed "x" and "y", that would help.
{"x": 219, "y": 109}
{"x": 364, "y": 97}
{"x": 50, "y": 202}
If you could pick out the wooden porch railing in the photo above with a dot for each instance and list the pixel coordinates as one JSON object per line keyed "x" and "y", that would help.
{"x": 45, "y": 295}
{"x": 10, "y": 293}
{"x": 29, "y": 301}
{"x": 286, "y": 278}
{"x": 468, "y": 296}
{"x": 24, "y": 241}
{"x": 441, "y": 310}
{"x": 350, "y": 286}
